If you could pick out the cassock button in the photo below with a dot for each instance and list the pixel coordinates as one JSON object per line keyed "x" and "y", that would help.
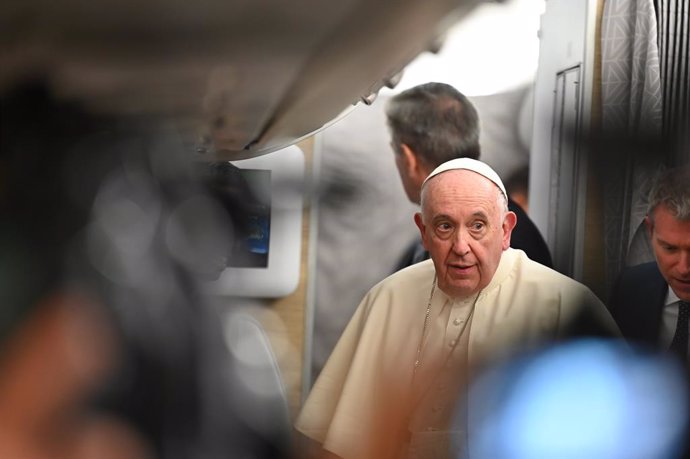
{"x": 457, "y": 321}
{"x": 452, "y": 343}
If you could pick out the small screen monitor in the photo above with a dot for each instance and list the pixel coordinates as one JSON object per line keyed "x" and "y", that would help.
{"x": 250, "y": 250}
{"x": 267, "y": 193}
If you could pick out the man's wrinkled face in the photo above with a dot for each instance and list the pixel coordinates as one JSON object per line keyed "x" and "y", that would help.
{"x": 671, "y": 242}
{"x": 465, "y": 228}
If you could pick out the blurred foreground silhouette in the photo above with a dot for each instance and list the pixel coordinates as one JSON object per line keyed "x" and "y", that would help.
{"x": 109, "y": 349}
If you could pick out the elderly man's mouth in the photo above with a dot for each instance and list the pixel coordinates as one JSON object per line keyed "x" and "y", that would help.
{"x": 461, "y": 269}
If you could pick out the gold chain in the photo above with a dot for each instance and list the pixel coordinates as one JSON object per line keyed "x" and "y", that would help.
{"x": 418, "y": 359}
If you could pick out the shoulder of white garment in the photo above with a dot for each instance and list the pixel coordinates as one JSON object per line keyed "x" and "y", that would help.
{"x": 377, "y": 347}
{"x": 557, "y": 296}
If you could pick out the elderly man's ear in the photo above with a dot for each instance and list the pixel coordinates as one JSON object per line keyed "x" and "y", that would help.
{"x": 509, "y": 223}
{"x": 419, "y": 221}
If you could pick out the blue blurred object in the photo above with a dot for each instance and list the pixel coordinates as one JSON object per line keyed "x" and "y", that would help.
{"x": 587, "y": 399}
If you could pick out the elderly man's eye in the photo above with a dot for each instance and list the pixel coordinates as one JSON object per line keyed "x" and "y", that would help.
{"x": 444, "y": 230}
{"x": 477, "y": 226}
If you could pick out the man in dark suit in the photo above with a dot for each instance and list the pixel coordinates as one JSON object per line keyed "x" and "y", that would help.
{"x": 433, "y": 123}
{"x": 650, "y": 301}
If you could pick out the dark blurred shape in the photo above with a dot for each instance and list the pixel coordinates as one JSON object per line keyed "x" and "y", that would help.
{"x": 253, "y": 76}
{"x": 637, "y": 303}
{"x": 527, "y": 237}
{"x": 517, "y": 186}
{"x": 589, "y": 399}
{"x": 105, "y": 235}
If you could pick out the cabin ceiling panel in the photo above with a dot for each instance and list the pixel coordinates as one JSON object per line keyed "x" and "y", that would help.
{"x": 249, "y": 76}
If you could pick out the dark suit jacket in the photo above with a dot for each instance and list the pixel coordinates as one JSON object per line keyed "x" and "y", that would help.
{"x": 637, "y": 303}
{"x": 525, "y": 237}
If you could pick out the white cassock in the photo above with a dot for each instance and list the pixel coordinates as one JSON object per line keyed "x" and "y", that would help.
{"x": 369, "y": 403}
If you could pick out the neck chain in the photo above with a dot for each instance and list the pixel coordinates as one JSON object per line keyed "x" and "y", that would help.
{"x": 418, "y": 359}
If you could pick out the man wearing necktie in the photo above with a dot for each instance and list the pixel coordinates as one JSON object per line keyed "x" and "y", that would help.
{"x": 650, "y": 301}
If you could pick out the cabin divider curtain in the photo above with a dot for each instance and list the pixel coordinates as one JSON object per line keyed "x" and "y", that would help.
{"x": 674, "y": 54}
{"x": 631, "y": 84}
{"x": 632, "y": 110}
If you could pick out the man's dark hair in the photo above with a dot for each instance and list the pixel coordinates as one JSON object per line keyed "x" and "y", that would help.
{"x": 436, "y": 121}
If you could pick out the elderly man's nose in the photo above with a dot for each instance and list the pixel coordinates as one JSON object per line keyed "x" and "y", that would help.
{"x": 460, "y": 245}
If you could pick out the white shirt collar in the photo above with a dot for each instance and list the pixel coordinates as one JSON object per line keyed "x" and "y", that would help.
{"x": 671, "y": 297}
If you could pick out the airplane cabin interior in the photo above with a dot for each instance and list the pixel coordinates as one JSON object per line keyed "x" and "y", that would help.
{"x": 195, "y": 197}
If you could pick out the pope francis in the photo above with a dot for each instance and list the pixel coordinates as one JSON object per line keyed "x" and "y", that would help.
{"x": 390, "y": 388}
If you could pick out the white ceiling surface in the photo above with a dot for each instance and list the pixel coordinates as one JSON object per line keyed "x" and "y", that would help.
{"x": 493, "y": 49}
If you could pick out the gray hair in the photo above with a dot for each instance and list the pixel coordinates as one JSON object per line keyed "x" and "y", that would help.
{"x": 671, "y": 189}
{"x": 436, "y": 121}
